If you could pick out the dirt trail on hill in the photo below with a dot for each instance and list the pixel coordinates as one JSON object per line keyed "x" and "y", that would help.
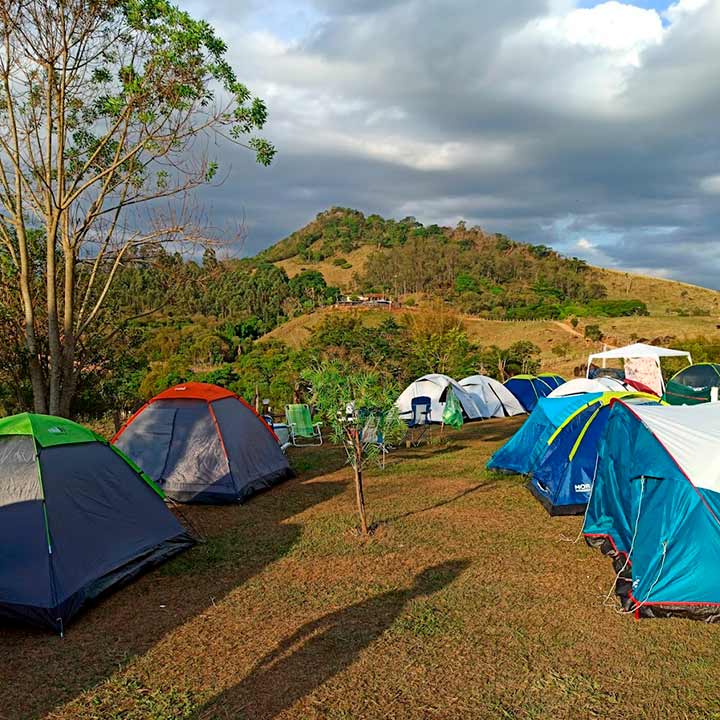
{"x": 567, "y": 328}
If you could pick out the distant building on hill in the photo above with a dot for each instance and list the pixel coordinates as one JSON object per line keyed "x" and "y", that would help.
{"x": 369, "y": 300}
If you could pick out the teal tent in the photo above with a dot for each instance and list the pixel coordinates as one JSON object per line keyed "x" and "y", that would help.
{"x": 655, "y": 507}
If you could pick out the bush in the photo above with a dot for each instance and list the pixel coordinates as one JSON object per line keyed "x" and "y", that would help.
{"x": 618, "y": 308}
{"x": 562, "y": 350}
{"x": 593, "y": 332}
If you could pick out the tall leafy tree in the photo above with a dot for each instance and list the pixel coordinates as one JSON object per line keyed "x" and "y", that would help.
{"x": 106, "y": 106}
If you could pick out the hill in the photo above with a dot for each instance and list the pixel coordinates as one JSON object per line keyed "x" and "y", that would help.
{"x": 488, "y": 280}
{"x": 482, "y": 274}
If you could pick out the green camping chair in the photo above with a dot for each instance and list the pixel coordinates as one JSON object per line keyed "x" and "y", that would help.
{"x": 301, "y": 426}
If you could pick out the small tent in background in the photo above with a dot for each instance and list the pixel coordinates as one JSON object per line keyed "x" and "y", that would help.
{"x": 76, "y": 519}
{"x": 579, "y": 386}
{"x": 553, "y": 380}
{"x": 557, "y": 447}
{"x": 693, "y": 384}
{"x": 202, "y": 443}
{"x": 641, "y": 363}
{"x": 655, "y": 507}
{"x": 436, "y": 387}
{"x": 493, "y": 398}
{"x": 528, "y": 389}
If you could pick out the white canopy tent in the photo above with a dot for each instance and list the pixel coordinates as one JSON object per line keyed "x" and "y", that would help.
{"x": 492, "y": 397}
{"x": 649, "y": 355}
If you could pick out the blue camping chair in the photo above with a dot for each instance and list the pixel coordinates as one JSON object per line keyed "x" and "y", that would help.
{"x": 420, "y": 420}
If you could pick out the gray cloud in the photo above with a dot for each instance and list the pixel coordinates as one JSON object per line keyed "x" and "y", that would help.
{"x": 525, "y": 117}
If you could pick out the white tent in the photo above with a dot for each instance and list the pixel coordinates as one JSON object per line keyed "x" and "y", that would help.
{"x": 642, "y": 362}
{"x": 579, "y": 386}
{"x": 492, "y": 397}
{"x": 436, "y": 386}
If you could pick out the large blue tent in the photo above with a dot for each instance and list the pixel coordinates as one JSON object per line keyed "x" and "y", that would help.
{"x": 557, "y": 447}
{"x": 655, "y": 507}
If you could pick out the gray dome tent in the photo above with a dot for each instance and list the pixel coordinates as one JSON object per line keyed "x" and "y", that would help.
{"x": 202, "y": 443}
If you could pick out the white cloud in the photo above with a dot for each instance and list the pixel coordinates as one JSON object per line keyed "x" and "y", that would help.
{"x": 683, "y": 7}
{"x": 710, "y": 184}
{"x": 622, "y": 29}
{"x": 508, "y": 114}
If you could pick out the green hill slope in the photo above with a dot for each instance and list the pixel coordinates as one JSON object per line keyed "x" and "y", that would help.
{"x": 481, "y": 274}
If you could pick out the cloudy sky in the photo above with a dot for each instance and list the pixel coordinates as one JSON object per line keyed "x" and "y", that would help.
{"x": 592, "y": 127}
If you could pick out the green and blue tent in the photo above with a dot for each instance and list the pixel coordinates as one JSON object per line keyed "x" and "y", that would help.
{"x": 77, "y": 518}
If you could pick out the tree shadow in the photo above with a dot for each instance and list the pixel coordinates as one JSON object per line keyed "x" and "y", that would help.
{"x": 425, "y": 452}
{"x": 39, "y": 672}
{"x": 440, "y": 503}
{"x": 319, "y": 650}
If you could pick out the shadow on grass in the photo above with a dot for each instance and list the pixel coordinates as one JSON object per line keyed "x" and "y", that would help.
{"x": 311, "y": 462}
{"x": 39, "y": 672}
{"x": 425, "y": 452}
{"x": 319, "y": 650}
{"x": 440, "y": 503}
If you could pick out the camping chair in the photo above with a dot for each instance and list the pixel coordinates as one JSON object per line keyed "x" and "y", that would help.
{"x": 372, "y": 434}
{"x": 301, "y": 426}
{"x": 419, "y": 422}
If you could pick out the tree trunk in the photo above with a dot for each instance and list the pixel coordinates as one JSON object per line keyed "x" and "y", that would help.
{"x": 359, "y": 495}
{"x": 69, "y": 371}
{"x": 56, "y": 370}
{"x": 36, "y": 373}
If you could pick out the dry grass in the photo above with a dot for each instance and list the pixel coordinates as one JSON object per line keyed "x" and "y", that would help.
{"x": 659, "y": 295}
{"x": 333, "y": 274}
{"x": 468, "y": 602}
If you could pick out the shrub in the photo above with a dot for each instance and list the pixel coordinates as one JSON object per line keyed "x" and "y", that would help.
{"x": 593, "y": 332}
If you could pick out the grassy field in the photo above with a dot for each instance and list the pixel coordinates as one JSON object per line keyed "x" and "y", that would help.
{"x": 467, "y": 602}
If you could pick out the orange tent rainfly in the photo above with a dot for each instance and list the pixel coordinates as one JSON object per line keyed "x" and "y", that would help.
{"x": 202, "y": 443}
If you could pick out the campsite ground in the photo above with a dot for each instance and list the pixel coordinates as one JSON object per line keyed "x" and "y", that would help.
{"x": 468, "y": 602}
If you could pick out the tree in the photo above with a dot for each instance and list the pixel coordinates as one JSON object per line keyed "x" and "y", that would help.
{"x": 105, "y": 106}
{"x": 520, "y": 358}
{"x": 346, "y": 398}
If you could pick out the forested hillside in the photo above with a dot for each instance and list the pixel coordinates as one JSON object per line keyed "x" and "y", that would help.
{"x": 488, "y": 275}
{"x": 168, "y": 319}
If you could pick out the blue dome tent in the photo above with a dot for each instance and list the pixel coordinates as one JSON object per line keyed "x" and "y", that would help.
{"x": 528, "y": 389}
{"x": 655, "y": 508}
{"x": 557, "y": 447}
{"x": 551, "y": 379}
